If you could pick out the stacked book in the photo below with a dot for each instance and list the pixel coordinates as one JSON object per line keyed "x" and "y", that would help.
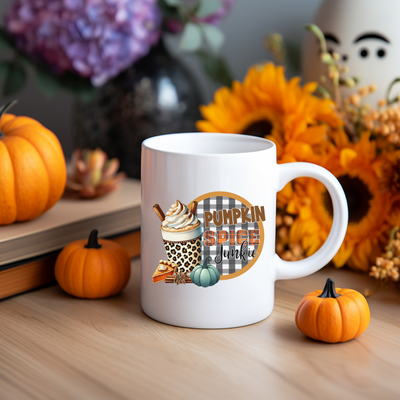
{"x": 28, "y": 250}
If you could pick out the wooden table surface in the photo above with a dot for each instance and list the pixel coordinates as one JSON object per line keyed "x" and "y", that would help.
{"x": 53, "y": 346}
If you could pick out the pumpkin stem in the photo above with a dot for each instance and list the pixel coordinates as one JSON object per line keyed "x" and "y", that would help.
{"x": 4, "y": 108}
{"x": 92, "y": 242}
{"x": 329, "y": 290}
{"x": 207, "y": 260}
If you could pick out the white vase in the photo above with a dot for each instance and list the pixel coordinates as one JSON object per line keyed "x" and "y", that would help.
{"x": 366, "y": 35}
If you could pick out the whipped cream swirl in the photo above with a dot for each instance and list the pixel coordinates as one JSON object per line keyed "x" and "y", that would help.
{"x": 179, "y": 216}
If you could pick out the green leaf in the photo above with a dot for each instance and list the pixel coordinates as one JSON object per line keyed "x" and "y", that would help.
{"x": 85, "y": 95}
{"x": 319, "y": 34}
{"x": 213, "y": 35}
{"x": 14, "y": 79}
{"x": 324, "y": 92}
{"x": 173, "y": 3}
{"x": 3, "y": 69}
{"x": 167, "y": 11}
{"x": 395, "y": 99}
{"x": 216, "y": 68}
{"x": 191, "y": 37}
{"x": 47, "y": 82}
{"x": 293, "y": 56}
{"x": 5, "y": 41}
{"x": 208, "y": 7}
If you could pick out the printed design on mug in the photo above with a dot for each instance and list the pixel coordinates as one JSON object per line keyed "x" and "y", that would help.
{"x": 233, "y": 233}
{"x": 218, "y": 236}
{"x": 181, "y": 233}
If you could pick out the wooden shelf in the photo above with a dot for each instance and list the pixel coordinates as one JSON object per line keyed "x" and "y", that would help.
{"x": 38, "y": 272}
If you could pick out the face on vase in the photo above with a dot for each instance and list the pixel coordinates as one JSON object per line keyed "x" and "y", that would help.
{"x": 366, "y": 35}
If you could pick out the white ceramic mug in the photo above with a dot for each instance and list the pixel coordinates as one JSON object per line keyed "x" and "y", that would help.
{"x": 234, "y": 180}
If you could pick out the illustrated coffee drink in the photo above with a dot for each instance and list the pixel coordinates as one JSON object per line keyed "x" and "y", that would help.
{"x": 181, "y": 232}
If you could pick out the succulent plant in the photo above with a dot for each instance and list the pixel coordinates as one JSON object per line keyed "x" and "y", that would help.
{"x": 91, "y": 174}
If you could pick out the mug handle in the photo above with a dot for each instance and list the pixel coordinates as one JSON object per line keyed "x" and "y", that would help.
{"x": 298, "y": 269}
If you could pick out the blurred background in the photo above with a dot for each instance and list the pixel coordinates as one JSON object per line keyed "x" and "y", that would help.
{"x": 245, "y": 29}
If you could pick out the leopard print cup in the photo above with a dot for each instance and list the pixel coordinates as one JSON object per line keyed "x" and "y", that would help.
{"x": 186, "y": 255}
{"x": 184, "y": 250}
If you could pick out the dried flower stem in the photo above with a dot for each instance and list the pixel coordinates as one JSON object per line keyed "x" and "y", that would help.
{"x": 388, "y": 264}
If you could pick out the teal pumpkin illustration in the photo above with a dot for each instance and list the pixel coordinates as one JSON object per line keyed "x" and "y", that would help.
{"x": 205, "y": 275}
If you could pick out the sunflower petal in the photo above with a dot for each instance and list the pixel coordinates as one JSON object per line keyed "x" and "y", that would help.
{"x": 297, "y": 231}
{"x": 313, "y": 135}
{"x": 310, "y": 87}
{"x": 292, "y": 207}
{"x": 299, "y": 150}
{"x": 287, "y": 158}
{"x": 343, "y": 254}
{"x": 359, "y": 259}
{"x": 346, "y": 157}
{"x": 305, "y": 213}
{"x": 287, "y": 191}
{"x": 340, "y": 138}
{"x": 311, "y": 243}
{"x": 205, "y": 126}
{"x": 366, "y": 146}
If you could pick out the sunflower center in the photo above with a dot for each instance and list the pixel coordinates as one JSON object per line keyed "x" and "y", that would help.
{"x": 358, "y": 198}
{"x": 259, "y": 128}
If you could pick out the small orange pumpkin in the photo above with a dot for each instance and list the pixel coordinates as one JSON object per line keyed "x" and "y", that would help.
{"x": 331, "y": 316}
{"x": 93, "y": 269}
{"x": 32, "y": 168}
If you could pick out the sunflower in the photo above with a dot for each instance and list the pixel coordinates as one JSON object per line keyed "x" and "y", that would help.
{"x": 267, "y": 105}
{"x": 390, "y": 176}
{"x": 360, "y": 172}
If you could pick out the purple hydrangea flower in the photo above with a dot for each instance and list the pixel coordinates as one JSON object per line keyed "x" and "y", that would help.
{"x": 95, "y": 38}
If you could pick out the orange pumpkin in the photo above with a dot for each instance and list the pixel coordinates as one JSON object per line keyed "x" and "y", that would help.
{"x": 32, "y": 168}
{"x": 331, "y": 316}
{"x": 93, "y": 269}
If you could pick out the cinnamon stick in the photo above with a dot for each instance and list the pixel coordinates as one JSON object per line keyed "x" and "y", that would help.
{"x": 171, "y": 279}
{"x": 159, "y": 212}
{"x": 194, "y": 207}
